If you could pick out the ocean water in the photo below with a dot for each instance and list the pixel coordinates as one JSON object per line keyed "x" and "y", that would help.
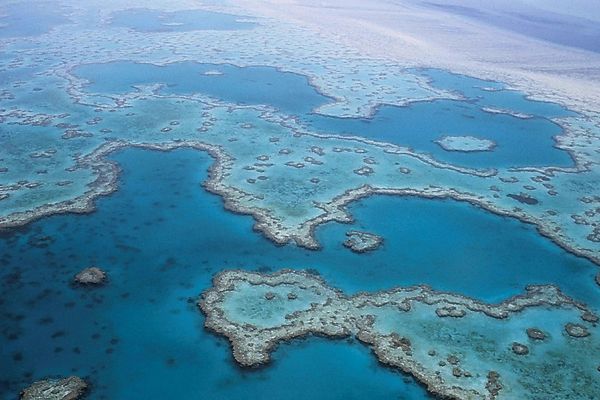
{"x": 21, "y": 19}
{"x": 492, "y": 94}
{"x": 457, "y": 247}
{"x": 288, "y": 92}
{"x": 16, "y": 74}
{"x": 520, "y": 142}
{"x": 148, "y": 20}
{"x": 161, "y": 238}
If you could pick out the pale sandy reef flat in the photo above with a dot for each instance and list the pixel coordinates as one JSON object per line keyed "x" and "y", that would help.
{"x": 465, "y": 143}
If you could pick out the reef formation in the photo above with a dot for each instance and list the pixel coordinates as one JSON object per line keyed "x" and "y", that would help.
{"x": 70, "y": 388}
{"x": 456, "y": 346}
{"x": 90, "y": 276}
{"x": 59, "y": 129}
{"x": 82, "y": 124}
{"x": 465, "y": 144}
{"x": 361, "y": 242}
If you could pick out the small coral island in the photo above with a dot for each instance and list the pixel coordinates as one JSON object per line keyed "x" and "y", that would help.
{"x": 466, "y": 144}
{"x": 92, "y": 276}
{"x": 71, "y": 388}
{"x": 361, "y": 242}
{"x": 458, "y": 347}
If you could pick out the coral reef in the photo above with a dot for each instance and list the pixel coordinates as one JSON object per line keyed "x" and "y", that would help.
{"x": 90, "y": 276}
{"x": 71, "y": 388}
{"x": 474, "y": 355}
{"x": 465, "y": 144}
{"x": 361, "y": 242}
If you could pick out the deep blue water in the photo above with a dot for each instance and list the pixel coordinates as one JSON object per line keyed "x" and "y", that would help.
{"x": 147, "y": 20}
{"x": 161, "y": 238}
{"x": 520, "y": 142}
{"x": 477, "y": 91}
{"x": 288, "y": 92}
{"x": 21, "y": 19}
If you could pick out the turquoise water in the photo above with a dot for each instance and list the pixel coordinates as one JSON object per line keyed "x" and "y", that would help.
{"x": 477, "y": 90}
{"x": 8, "y": 76}
{"x": 520, "y": 142}
{"x": 288, "y": 92}
{"x": 21, "y": 19}
{"x": 146, "y": 20}
{"x": 457, "y": 247}
{"x": 161, "y": 238}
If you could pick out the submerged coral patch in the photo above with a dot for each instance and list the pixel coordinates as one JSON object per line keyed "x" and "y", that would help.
{"x": 71, "y": 388}
{"x": 361, "y": 242}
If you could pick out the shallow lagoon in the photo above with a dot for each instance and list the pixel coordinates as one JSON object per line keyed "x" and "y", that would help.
{"x": 288, "y": 92}
{"x": 520, "y": 142}
{"x": 418, "y": 125}
{"x": 161, "y": 238}
{"x": 21, "y": 19}
{"x": 147, "y": 20}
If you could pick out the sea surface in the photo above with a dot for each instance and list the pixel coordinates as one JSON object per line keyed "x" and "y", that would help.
{"x": 22, "y": 20}
{"x": 149, "y": 20}
{"x": 520, "y": 141}
{"x": 161, "y": 238}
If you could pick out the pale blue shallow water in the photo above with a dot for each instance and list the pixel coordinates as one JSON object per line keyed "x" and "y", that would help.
{"x": 21, "y": 19}
{"x": 520, "y": 142}
{"x": 148, "y": 20}
{"x": 161, "y": 240}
